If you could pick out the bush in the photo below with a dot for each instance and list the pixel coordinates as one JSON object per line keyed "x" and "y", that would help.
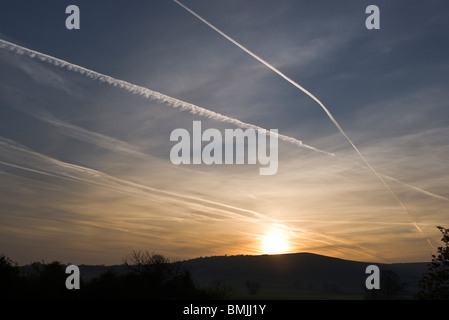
{"x": 434, "y": 285}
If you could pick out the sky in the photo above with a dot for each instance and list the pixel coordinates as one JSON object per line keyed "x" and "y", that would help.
{"x": 85, "y": 169}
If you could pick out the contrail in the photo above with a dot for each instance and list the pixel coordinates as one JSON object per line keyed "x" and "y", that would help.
{"x": 428, "y": 193}
{"x": 88, "y": 136}
{"x": 331, "y": 117}
{"x": 77, "y": 173}
{"x": 194, "y": 109}
{"x": 147, "y": 93}
{"x": 85, "y": 175}
{"x": 98, "y": 139}
{"x": 123, "y": 147}
{"x": 132, "y": 189}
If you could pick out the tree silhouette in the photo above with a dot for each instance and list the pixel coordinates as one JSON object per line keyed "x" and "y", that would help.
{"x": 144, "y": 276}
{"x": 391, "y": 286}
{"x": 47, "y": 281}
{"x": 143, "y": 262}
{"x": 9, "y": 277}
{"x": 108, "y": 285}
{"x": 154, "y": 276}
{"x": 434, "y": 285}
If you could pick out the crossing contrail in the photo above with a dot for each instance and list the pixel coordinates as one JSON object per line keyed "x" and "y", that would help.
{"x": 194, "y": 109}
{"x": 148, "y": 93}
{"x": 331, "y": 117}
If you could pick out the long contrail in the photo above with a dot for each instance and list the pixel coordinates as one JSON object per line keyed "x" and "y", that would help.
{"x": 418, "y": 189}
{"x": 78, "y": 173}
{"x": 194, "y": 109}
{"x": 331, "y": 117}
{"x": 147, "y": 93}
{"x": 88, "y": 176}
{"x": 141, "y": 192}
{"x": 150, "y": 94}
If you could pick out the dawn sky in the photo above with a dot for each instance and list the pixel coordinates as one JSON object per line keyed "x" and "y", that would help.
{"x": 85, "y": 169}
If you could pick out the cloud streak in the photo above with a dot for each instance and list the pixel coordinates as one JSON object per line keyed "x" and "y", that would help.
{"x": 203, "y": 208}
{"x": 83, "y": 174}
{"x": 328, "y": 113}
{"x": 94, "y": 138}
{"x": 147, "y": 93}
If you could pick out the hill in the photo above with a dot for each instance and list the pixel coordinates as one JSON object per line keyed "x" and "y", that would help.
{"x": 283, "y": 276}
{"x": 297, "y": 275}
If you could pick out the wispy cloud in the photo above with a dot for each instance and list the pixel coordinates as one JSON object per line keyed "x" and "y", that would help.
{"x": 89, "y": 136}
{"x": 313, "y": 97}
{"x": 85, "y": 174}
{"x": 64, "y": 170}
{"x": 146, "y": 93}
{"x": 202, "y": 210}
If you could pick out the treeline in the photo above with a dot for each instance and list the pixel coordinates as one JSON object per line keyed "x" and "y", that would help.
{"x": 147, "y": 276}
{"x": 152, "y": 276}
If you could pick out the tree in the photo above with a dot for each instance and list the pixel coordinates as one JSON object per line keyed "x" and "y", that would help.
{"x": 391, "y": 286}
{"x": 155, "y": 276}
{"x": 108, "y": 285}
{"x": 434, "y": 284}
{"x": 47, "y": 281}
{"x": 144, "y": 262}
{"x": 9, "y": 277}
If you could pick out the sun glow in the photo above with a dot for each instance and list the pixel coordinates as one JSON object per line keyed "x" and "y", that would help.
{"x": 274, "y": 243}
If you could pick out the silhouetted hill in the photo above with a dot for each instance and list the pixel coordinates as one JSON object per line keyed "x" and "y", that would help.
{"x": 283, "y": 276}
{"x": 296, "y": 275}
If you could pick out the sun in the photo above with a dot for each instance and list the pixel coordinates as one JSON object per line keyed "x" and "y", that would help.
{"x": 274, "y": 243}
